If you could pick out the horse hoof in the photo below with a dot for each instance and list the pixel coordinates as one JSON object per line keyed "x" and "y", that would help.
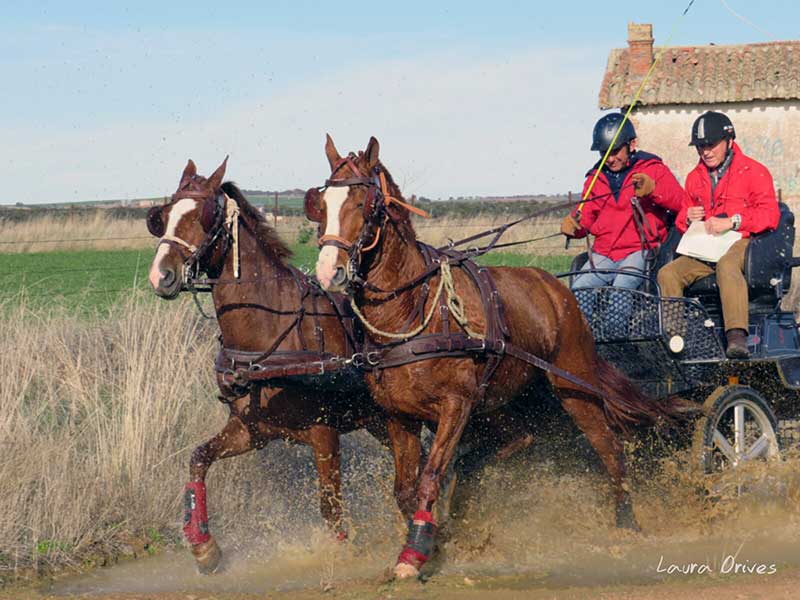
{"x": 626, "y": 520}
{"x": 404, "y": 571}
{"x": 207, "y": 556}
{"x": 625, "y": 517}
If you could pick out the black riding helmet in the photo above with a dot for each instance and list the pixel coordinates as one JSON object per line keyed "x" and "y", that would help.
{"x": 711, "y": 127}
{"x": 606, "y": 128}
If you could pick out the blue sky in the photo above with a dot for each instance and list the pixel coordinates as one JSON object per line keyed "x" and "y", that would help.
{"x": 108, "y": 100}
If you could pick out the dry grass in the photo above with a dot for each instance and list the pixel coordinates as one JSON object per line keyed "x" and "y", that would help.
{"x": 98, "y": 419}
{"x": 37, "y": 234}
{"x": 438, "y": 232}
{"x": 41, "y": 234}
{"x": 44, "y": 233}
{"x": 98, "y": 230}
{"x": 96, "y": 424}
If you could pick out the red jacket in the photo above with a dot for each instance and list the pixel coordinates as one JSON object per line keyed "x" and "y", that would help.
{"x": 746, "y": 189}
{"x": 610, "y": 219}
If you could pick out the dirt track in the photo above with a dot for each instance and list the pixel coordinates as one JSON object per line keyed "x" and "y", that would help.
{"x": 519, "y": 533}
{"x": 782, "y": 585}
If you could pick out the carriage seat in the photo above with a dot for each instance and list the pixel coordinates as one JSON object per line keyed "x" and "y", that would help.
{"x": 765, "y": 259}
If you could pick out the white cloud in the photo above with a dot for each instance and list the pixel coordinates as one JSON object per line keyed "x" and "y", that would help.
{"x": 447, "y": 126}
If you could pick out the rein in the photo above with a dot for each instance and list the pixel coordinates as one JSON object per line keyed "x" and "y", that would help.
{"x": 413, "y": 345}
{"x": 470, "y": 253}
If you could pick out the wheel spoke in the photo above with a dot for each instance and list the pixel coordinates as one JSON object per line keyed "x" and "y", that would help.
{"x": 759, "y": 448}
{"x": 738, "y": 429}
{"x": 722, "y": 444}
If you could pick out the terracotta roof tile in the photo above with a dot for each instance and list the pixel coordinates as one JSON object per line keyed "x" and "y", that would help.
{"x": 707, "y": 75}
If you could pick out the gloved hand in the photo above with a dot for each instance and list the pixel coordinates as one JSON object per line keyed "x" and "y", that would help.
{"x": 570, "y": 226}
{"x": 643, "y": 184}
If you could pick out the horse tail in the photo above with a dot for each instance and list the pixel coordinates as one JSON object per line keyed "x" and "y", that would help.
{"x": 625, "y": 404}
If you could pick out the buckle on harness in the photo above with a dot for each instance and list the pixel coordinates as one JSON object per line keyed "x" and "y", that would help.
{"x": 357, "y": 360}
{"x": 373, "y": 358}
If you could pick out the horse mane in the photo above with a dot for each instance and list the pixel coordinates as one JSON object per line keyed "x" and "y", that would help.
{"x": 266, "y": 236}
{"x": 399, "y": 216}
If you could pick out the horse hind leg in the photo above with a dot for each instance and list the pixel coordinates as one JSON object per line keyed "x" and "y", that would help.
{"x": 324, "y": 442}
{"x": 588, "y": 414}
{"x": 234, "y": 439}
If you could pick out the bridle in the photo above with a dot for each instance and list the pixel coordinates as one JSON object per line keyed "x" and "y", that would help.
{"x": 219, "y": 218}
{"x": 375, "y": 213}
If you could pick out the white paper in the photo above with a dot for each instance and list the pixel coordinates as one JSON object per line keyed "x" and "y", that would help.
{"x": 705, "y": 246}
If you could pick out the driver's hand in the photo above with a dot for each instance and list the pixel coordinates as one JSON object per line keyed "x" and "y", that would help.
{"x": 695, "y": 213}
{"x": 570, "y": 226}
{"x": 643, "y": 184}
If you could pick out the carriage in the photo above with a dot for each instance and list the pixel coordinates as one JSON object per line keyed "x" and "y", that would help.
{"x": 674, "y": 346}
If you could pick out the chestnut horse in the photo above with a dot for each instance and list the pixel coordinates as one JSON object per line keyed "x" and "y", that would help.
{"x": 369, "y": 247}
{"x": 264, "y": 307}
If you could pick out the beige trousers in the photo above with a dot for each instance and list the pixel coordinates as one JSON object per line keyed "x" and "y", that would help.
{"x": 684, "y": 271}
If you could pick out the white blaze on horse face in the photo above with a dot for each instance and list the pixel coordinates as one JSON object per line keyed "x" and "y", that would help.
{"x": 176, "y": 213}
{"x": 334, "y": 198}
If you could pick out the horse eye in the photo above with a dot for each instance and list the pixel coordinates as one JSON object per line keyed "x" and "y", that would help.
{"x": 360, "y": 204}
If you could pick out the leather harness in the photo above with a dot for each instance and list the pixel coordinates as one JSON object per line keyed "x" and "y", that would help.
{"x": 448, "y": 343}
{"x": 444, "y": 344}
{"x": 237, "y": 370}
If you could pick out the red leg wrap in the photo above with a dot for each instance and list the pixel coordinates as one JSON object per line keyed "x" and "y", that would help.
{"x": 195, "y": 515}
{"x": 420, "y": 540}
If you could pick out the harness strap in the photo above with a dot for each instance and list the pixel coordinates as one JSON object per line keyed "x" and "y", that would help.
{"x": 527, "y": 357}
{"x": 171, "y": 239}
{"x": 436, "y": 346}
{"x": 335, "y": 240}
{"x": 237, "y": 370}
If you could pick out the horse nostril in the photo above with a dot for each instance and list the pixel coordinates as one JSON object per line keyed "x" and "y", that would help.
{"x": 168, "y": 278}
{"x": 339, "y": 277}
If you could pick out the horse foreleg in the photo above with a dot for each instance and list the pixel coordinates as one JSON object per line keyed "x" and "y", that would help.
{"x": 422, "y": 529}
{"x": 234, "y": 439}
{"x": 590, "y": 418}
{"x": 324, "y": 441}
{"x": 406, "y": 448}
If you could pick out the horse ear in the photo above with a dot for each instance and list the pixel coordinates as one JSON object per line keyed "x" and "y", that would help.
{"x": 215, "y": 181}
{"x": 331, "y": 152}
{"x": 189, "y": 172}
{"x": 372, "y": 151}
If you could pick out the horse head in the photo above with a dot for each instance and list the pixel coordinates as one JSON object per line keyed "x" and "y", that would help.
{"x": 357, "y": 202}
{"x": 192, "y": 232}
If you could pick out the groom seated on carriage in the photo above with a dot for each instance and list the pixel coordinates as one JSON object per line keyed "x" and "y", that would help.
{"x": 727, "y": 194}
{"x": 629, "y": 210}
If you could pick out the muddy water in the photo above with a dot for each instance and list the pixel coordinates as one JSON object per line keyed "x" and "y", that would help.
{"x": 543, "y": 520}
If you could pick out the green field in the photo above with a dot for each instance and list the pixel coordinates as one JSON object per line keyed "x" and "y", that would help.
{"x": 91, "y": 279}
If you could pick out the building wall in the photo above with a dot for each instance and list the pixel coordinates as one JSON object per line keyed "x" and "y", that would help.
{"x": 767, "y": 131}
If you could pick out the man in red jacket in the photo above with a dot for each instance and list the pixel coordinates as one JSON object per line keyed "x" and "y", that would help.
{"x": 727, "y": 191}
{"x": 628, "y": 216}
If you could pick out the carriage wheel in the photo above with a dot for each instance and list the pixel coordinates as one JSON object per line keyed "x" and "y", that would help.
{"x": 739, "y": 427}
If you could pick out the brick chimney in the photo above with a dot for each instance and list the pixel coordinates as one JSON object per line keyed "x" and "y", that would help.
{"x": 640, "y": 45}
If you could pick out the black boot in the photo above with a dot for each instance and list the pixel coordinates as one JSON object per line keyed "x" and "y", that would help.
{"x": 737, "y": 344}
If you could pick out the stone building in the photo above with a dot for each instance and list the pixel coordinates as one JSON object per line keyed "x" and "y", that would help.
{"x": 756, "y": 85}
